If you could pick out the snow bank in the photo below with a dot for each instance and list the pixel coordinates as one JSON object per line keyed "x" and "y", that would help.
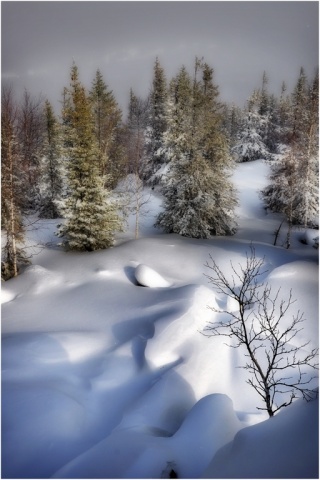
{"x": 40, "y": 279}
{"x": 7, "y": 296}
{"x": 147, "y": 277}
{"x": 311, "y": 237}
{"x": 104, "y": 379}
{"x": 285, "y": 446}
{"x": 147, "y": 453}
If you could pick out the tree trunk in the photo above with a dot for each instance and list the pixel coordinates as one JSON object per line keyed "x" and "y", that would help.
{"x": 11, "y": 234}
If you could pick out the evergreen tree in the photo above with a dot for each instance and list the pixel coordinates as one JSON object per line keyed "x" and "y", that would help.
{"x": 30, "y": 134}
{"x": 157, "y": 126}
{"x": 11, "y": 189}
{"x": 91, "y": 219}
{"x": 108, "y": 130}
{"x": 136, "y": 124}
{"x": 294, "y": 187}
{"x": 272, "y": 139}
{"x": 199, "y": 198}
{"x": 232, "y": 119}
{"x": 282, "y": 194}
{"x": 264, "y": 96}
{"x": 307, "y": 146}
{"x": 284, "y": 116}
{"x": 299, "y": 103}
{"x": 250, "y": 145}
{"x": 258, "y": 137}
{"x": 52, "y": 176}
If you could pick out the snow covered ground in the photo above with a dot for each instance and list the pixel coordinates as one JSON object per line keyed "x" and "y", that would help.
{"x": 105, "y": 378}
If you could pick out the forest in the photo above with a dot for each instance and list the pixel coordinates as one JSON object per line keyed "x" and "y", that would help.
{"x": 160, "y": 281}
{"x": 87, "y": 164}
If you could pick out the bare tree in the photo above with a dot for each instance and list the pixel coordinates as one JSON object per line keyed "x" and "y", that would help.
{"x": 134, "y": 199}
{"x": 280, "y": 370}
{"x": 11, "y": 189}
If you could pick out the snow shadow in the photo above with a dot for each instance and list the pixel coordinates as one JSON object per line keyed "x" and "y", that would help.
{"x": 140, "y": 330}
{"x": 129, "y": 272}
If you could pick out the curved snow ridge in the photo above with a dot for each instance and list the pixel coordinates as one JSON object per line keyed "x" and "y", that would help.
{"x": 148, "y": 277}
{"x": 7, "y": 296}
{"x": 287, "y": 438}
{"x": 299, "y": 268}
{"x": 145, "y": 453}
{"x": 41, "y": 279}
{"x": 176, "y": 336}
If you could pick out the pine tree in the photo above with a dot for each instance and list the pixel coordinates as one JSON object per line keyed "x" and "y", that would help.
{"x": 52, "y": 175}
{"x": 30, "y": 134}
{"x": 108, "y": 130}
{"x": 250, "y": 145}
{"x": 294, "y": 187}
{"x": 282, "y": 194}
{"x": 91, "y": 219}
{"x": 157, "y": 126}
{"x": 299, "y": 102}
{"x": 232, "y": 119}
{"x": 284, "y": 116}
{"x": 11, "y": 189}
{"x": 199, "y": 198}
{"x": 272, "y": 134}
{"x": 136, "y": 125}
{"x": 264, "y": 96}
{"x": 307, "y": 146}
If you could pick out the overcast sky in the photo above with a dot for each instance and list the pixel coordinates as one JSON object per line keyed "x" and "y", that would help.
{"x": 238, "y": 39}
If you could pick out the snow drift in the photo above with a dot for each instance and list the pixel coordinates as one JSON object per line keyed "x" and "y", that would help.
{"x": 102, "y": 378}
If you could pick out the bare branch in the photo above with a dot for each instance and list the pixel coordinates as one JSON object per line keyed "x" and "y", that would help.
{"x": 278, "y": 367}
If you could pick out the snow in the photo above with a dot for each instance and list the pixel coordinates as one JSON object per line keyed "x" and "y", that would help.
{"x": 148, "y": 277}
{"x": 103, "y": 378}
{"x": 284, "y": 447}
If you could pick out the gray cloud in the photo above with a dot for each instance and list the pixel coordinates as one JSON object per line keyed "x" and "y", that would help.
{"x": 238, "y": 39}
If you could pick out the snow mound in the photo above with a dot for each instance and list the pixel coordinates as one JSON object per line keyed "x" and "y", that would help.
{"x": 7, "y": 296}
{"x": 285, "y": 446}
{"x": 148, "y": 453}
{"x": 210, "y": 424}
{"x": 147, "y": 277}
{"x": 311, "y": 237}
{"x": 41, "y": 279}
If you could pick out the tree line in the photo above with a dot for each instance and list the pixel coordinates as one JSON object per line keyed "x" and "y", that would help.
{"x": 181, "y": 139}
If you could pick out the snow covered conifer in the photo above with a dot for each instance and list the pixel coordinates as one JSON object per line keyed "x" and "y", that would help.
{"x": 250, "y": 145}
{"x": 299, "y": 104}
{"x": 108, "y": 130}
{"x": 135, "y": 134}
{"x": 30, "y": 134}
{"x": 199, "y": 198}
{"x": 52, "y": 176}
{"x": 306, "y": 143}
{"x": 294, "y": 187}
{"x": 157, "y": 127}
{"x": 91, "y": 219}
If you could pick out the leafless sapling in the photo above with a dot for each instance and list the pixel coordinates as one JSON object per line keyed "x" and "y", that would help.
{"x": 280, "y": 369}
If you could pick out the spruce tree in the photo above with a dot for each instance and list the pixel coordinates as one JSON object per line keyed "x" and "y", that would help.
{"x": 250, "y": 145}
{"x": 299, "y": 104}
{"x": 294, "y": 187}
{"x": 157, "y": 126}
{"x": 30, "y": 134}
{"x": 307, "y": 144}
{"x": 108, "y": 131}
{"x": 232, "y": 119}
{"x": 52, "y": 174}
{"x": 91, "y": 219}
{"x": 138, "y": 110}
{"x": 199, "y": 198}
